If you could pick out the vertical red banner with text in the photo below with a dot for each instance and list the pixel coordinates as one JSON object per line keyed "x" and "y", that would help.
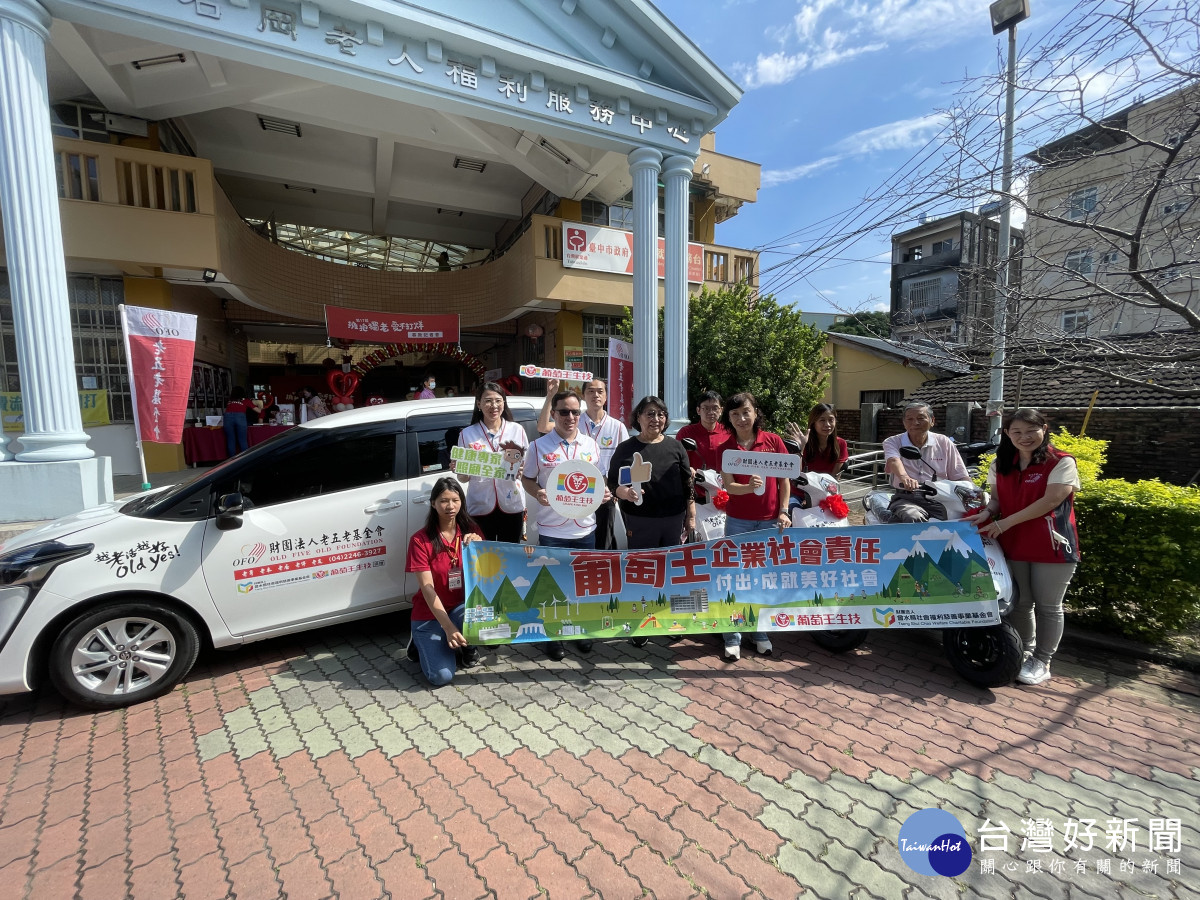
{"x": 161, "y": 346}
{"x": 620, "y": 379}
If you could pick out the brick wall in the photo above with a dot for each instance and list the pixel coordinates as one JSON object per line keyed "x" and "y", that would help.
{"x": 1150, "y": 442}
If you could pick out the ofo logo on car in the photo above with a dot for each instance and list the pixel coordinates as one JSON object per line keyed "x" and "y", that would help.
{"x": 251, "y": 553}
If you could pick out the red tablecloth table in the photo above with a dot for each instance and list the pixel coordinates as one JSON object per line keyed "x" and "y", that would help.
{"x": 260, "y": 433}
{"x": 207, "y": 445}
{"x": 203, "y": 445}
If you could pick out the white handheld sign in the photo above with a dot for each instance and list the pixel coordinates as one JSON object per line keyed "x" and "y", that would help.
{"x": 531, "y": 371}
{"x": 765, "y": 465}
{"x": 575, "y": 489}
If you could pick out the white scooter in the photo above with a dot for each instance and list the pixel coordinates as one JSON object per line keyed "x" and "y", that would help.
{"x": 989, "y": 655}
{"x": 816, "y": 500}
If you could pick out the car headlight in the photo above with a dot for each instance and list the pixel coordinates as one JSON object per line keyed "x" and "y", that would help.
{"x": 23, "y": 571}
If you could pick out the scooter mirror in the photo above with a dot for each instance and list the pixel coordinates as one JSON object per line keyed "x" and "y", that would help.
{"x": 689, "y": 445}
{"x": 793, "y": 446}
{"x": 910, "y": 452}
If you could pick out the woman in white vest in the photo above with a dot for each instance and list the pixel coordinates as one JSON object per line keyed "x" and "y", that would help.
{"x": 497, "y": 506}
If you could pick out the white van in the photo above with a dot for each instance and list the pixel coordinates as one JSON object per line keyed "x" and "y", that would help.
{"x": 307, "y": 529}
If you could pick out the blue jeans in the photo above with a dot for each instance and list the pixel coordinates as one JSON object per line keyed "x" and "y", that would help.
{"x": 438, "y": 661}
{"x": 237, "y": 438}
{"x": 741, "y": 526}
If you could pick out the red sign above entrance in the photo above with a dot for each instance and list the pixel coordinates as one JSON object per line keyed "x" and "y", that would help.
{"x": 390, "y": 328}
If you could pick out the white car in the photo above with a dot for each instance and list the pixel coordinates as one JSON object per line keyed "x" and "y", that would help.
{"x": 307, "y": 529}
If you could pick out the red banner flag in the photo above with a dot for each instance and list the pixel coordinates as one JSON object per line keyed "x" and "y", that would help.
{"x": 620, "y": 379}
{"x": 160, "y": 345}
{"x": 390, "y": 328}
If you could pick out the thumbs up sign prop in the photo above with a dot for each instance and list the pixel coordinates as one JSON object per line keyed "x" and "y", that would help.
{"x": 635, "y": 475}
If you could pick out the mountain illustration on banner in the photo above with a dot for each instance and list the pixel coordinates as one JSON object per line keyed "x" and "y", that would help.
{"x": 920, "y": 575}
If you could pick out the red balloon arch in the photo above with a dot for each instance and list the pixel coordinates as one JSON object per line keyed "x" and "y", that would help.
{"x": 391, "y": 351}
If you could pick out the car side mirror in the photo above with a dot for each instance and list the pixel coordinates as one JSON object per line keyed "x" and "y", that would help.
{"x": 229, "y": 511}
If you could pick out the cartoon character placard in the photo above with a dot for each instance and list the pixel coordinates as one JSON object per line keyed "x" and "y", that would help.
{"x": 575, "y": 489}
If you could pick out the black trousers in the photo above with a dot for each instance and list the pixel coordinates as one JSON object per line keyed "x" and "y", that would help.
{"x": 604, "y": 527}
{"x": 501, "y": 526}
{"x": 645, "y": 532}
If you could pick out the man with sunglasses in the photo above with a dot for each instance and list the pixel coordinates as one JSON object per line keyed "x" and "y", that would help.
{"x": 545, "y": 454}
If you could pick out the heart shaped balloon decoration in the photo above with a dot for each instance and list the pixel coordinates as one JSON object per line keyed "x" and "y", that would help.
{"x": 267, "y": 398}
{"x": 343, "y": 385}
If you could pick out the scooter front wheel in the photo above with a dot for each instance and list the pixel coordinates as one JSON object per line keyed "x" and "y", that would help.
{"x": 989, "y": 656}
{"x": 842, "y": 640}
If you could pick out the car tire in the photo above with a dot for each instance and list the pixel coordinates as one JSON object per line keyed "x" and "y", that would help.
{"x": 122, "y": 653}
{"x": 988, "y": 656}
{"x": 840, "y": 640}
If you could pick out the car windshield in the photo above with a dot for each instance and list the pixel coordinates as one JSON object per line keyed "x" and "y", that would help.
{"x": 148, "y": 504}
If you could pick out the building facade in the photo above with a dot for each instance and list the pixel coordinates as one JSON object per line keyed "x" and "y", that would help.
{"x": 253, "y": 162}
{"x": 944, "y": 280}
{"x": 1113, "y": 227}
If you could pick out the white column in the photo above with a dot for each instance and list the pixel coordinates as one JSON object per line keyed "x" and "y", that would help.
{"x": 33, "y": 240}
{"x": 677, "y": 174}
{"x": 643, "y": 165}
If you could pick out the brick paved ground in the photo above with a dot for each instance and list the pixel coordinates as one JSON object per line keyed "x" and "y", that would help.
{"x": 322, "y": 767}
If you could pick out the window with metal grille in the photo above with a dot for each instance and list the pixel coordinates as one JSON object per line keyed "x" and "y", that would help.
{"x": 925, "y": 295}
{"x": 596, "y": 332}
{"x": 593, "y": 212}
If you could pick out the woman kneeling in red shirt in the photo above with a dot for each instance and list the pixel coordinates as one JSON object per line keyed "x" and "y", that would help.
{"x": 435, "y": 554}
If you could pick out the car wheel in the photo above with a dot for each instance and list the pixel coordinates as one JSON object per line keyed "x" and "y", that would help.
{"x": 840, "y": 640}
{"x": 122, "y": 653}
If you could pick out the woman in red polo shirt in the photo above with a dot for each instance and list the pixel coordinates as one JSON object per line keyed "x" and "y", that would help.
{"x": 1032, "y": 515}
{"x": 435, "y": 554}
{"x": 748, "y": 510}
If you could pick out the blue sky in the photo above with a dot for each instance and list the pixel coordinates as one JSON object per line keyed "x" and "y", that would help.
{"x": 839, "y": 95}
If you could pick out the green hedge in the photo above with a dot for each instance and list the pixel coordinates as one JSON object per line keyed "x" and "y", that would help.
{"x": 1139, "y": 574}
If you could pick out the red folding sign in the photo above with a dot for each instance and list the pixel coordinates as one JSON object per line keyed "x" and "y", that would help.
{"x": 390, "y": 328}
{"x": 161, "y": 345}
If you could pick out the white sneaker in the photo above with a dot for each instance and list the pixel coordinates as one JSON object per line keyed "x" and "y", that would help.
{"x": 1034, "y": 671}
{"x": 733, "y": 652}
{"x": 764, "y": 648}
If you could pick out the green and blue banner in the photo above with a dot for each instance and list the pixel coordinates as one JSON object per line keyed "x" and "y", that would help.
{"x": 929, "y": 575}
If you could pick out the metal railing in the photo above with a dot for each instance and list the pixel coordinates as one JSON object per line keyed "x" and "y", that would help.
{"x": 863, "y": 471}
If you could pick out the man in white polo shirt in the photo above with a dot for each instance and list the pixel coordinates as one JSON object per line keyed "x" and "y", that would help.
{"x": 939, "y": 460}
{"x": 607, "y": 432}
{"x": 565, "y": 442}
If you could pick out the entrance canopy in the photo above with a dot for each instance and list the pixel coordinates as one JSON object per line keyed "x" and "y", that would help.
{"x": 396, "y": 118}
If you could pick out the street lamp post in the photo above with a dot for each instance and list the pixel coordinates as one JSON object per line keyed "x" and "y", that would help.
{"x": 1005, "y": 16}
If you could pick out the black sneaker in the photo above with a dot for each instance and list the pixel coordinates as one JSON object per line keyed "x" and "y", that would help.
{"x": 554, "y": 650}
{"x": 413, "y": 654}
{"x": 639, "y": 641}
{"x": 584, "y": 646}
{"x": 469, "y": 657}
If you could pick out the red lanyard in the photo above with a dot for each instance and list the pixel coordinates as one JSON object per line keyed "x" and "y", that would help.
{"x": 454, "y": 553}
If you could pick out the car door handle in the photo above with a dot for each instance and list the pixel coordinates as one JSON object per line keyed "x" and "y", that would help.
{"x": 380, "y": 507}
